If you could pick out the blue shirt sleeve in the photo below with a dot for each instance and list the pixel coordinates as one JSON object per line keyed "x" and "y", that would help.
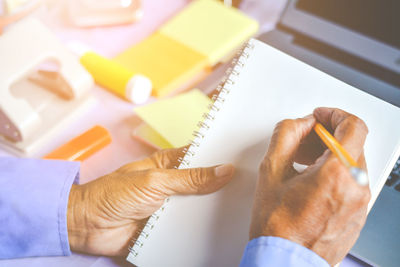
{"x": 33, "y": 206}
{"x": 276, "y": 251}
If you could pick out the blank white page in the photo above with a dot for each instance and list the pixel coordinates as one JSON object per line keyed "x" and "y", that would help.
{"x": 268, "y": 86}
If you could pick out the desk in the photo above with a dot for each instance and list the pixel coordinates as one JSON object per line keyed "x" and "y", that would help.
{"x": 115, "y": 114}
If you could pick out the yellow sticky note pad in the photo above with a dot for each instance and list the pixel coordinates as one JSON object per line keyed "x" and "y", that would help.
{"x": 149, "y": 136}
{"x": 210, "y": 28}
{"x": 167, "y": 62}
{"x": 173, "y": 120}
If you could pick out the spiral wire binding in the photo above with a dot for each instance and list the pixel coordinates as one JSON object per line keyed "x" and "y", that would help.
{"x": 223, "y": 90}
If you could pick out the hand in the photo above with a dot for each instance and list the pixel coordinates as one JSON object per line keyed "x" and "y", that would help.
{"x": 105, "y": 215}
{"x": 321, "y": 208}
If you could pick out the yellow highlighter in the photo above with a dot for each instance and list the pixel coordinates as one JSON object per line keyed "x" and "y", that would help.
{"x": 111, "y": 75}
{"x": 358, "y": 174}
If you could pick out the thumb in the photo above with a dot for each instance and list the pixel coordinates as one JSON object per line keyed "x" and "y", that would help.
{"x": 195, "y": 181}
{"x": 285, "y": 142}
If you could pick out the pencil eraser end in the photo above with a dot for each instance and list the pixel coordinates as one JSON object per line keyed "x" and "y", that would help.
{"x": 138, "y": 89}
{"x": 360, "y": 176}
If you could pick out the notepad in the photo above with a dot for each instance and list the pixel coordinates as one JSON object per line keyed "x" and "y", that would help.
{"x": 211, "y": 28}
{"x": 170, "y": 122}
{"x": 265, "y": 87}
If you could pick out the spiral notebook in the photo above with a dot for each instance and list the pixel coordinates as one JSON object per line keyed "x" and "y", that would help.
{"x": 263, "y": 87}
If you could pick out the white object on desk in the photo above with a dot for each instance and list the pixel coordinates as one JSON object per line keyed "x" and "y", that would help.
{"x": 265, "y": 86}
{"x": 91, "y": 13}
{"x": 111, "y": 75}
{"x": 228, "y": 2}
{"x": 29, "y": 113}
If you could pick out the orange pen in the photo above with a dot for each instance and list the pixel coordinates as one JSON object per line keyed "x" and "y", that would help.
{"x": 359, "y": 174}
{"x": 82, "y": 146}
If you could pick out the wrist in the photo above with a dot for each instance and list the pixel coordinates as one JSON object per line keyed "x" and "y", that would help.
{"x": 76, "y": 219}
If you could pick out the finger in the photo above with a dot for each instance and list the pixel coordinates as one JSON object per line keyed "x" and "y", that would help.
{"x": 195, "y": 181}
{"x": 348, "y": 129}
{"x": 310, "y": 150}
{"x": 163, "y": 159}
{"x": 330, "y": 117}
{"x": 285, "y": 141}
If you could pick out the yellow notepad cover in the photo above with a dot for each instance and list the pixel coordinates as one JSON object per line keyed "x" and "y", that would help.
{"x": 166, "y": 62}
{"x": 174, "y": 119}
{"x": 211, "y": 28}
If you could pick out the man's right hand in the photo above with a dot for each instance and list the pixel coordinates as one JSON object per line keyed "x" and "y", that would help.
{"x": 321, "y": 208}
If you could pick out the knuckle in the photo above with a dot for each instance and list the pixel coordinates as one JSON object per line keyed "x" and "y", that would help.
{"x": 281, "y": 129}
{"x": 286, "y": 124}
{"x": 160, "y": 158}
{"x": 357, "y": 123}
{"x": 165, "y": 157}
{"x": 197, "y": 178}
{"x": 338, "y": 116}
{"x": 269, "y": 165}
{"x": 335, "y": 177}
{"x": 155, "y": 158}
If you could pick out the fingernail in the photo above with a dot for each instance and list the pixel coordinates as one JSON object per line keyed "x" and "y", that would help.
{"x": 224, "y": 170}
{"x": 318, "y": 110}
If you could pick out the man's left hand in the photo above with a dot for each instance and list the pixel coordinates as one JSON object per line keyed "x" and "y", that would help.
{"x": 107, "y": 214}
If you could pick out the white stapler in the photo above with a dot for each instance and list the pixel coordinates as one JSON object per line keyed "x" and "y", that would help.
{"x": 35, "y": 103}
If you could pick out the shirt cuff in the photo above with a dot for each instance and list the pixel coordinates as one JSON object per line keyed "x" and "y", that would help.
{"x": 33, "y": 206}
{"x": 276, "y": 251}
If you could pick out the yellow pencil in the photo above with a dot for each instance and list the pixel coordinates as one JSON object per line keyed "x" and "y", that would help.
{"x": 359, "y": 174}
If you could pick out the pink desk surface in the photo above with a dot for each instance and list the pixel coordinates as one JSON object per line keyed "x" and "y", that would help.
{"x": 112, "y": 112}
